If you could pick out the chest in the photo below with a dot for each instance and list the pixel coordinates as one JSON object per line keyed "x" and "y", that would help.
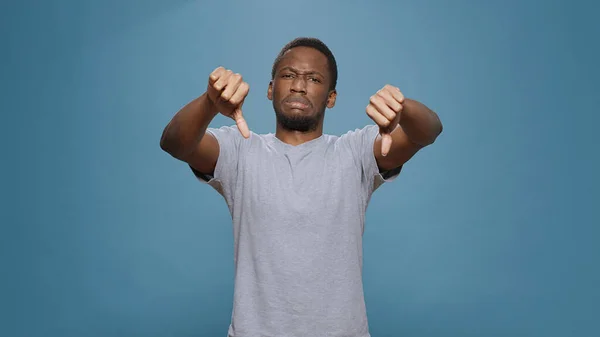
{"x": 300, "y": 183}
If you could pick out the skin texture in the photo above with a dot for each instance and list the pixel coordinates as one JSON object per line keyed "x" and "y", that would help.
{"x": 300, "y": 93}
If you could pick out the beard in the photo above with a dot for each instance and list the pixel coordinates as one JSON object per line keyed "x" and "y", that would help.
{"x": 298, "y": 122}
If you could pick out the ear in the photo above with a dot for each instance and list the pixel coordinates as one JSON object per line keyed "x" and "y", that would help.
{"x": 270, "y": 91}
{"x": 331, "y": 99}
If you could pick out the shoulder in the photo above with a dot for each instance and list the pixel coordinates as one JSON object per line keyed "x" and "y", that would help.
{"x": 370, "y": 130}
{"x": 357, "y": 137}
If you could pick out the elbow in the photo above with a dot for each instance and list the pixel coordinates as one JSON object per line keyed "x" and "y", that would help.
{"x": 164, "y": 143}
{"x": 432, "y": 135}
{"x": 169, "y": 147}
{"x": 436, "y": 130}
{"x": 167, "y": 143}
{"x": 173, "y": 147}
{"x": 433, "y": 130}
{"x": 439, "y": 128}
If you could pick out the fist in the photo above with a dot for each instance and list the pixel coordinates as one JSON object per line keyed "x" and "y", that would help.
{"x": 227, "y": 91}
{"x": 384, "y": 109}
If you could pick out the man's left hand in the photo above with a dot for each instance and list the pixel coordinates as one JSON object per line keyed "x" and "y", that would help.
{"x": 384, "y": 109}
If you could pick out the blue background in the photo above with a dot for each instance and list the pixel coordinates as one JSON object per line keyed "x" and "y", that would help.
{"x": 491, "y": 231}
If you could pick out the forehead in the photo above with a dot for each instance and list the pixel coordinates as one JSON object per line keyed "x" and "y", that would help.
{"x": 305, "y": 59}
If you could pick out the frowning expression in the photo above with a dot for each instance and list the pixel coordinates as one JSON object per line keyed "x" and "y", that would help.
{"x": 300, "y": 89}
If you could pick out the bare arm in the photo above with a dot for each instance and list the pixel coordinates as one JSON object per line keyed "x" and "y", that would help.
{"x": 419, "y": 123}
{"x": 406, "y": 126}
{"x": 419, "y": 127}
{"x": 185, "y": 137}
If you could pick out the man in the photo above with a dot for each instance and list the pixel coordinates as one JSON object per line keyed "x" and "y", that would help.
{"x": 297, "y": 197}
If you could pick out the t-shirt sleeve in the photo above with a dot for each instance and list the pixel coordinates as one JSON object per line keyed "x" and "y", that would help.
{"x": 361, "y": 143}
{"x": 224, "y": 176}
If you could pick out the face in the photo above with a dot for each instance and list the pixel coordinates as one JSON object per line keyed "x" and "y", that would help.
{"x": 300, "y": 89}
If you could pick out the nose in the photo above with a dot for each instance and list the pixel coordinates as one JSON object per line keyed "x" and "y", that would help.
{"x": 299, "y": 85}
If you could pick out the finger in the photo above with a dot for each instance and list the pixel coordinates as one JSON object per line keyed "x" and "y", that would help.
{"x": 397, "y": 94}
{"x": 215, "y": 75}
{"x": 382, "y": 107}
{"x": 240, "y": 94}
{"x": 390, "y": 100}
{"x": 222, "y": 81}
{"x": 377, "y": 117}
{"x": 386, "y": 142}
{"x": 241, "y": 122}
{"x": 232, "y": 85}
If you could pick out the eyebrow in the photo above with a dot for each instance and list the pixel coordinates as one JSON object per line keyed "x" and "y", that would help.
{"x": 310, "y": 72}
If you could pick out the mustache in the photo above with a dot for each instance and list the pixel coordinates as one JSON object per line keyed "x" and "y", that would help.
{"x": 298, "y": 99}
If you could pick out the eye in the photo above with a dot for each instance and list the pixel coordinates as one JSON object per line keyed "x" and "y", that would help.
{"x": 286, "y": 76}
{"x": 314, "y": 79}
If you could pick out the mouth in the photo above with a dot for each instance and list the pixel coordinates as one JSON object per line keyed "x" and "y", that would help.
{"x": 297, "y": 103}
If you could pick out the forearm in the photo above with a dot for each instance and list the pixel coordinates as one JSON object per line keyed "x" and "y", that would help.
{"x": 419, "y": 123}
{"x": 188, "y": 126}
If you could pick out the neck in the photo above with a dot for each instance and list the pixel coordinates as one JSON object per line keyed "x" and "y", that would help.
{"x": 297, "y": 137}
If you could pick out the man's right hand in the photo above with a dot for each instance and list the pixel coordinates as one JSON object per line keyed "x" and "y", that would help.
{"x": 227, "y": 92}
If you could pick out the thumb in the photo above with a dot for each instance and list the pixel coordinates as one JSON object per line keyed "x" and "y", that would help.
{"x": 241, "y": 122}
{"x": 386, "y": 141}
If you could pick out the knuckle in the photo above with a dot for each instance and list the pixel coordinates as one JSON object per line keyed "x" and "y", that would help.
{"x": 371, "y": 111}
{"x": 245, "y": 87}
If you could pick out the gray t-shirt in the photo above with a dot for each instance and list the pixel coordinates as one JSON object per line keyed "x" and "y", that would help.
{"x": 298, "y": 218}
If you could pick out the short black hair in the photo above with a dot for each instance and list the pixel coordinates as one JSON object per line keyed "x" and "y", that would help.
{"x": 312, "y": 43}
